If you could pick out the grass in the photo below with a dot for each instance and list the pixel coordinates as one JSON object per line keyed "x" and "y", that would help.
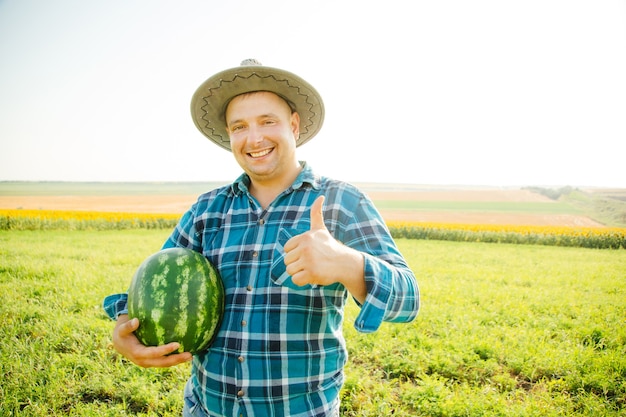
{"x": 604, "y": 205}
{"x": 505, "y": 330}
{"x": 480, "y": 206}
{"x": 60, "y": 188}
{"x": 607, "y": 206}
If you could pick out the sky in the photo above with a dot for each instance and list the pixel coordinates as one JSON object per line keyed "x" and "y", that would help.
{"x": 444, "y": 92}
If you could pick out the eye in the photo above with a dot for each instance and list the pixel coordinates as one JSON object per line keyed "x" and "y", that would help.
{"x": 236, "y": 128}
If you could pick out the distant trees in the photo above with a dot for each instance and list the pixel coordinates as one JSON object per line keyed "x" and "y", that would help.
{"x": 551, "y": 193}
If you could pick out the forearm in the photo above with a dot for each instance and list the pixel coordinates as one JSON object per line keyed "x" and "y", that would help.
{"x": 392, "y": 294}
{"x": 352, "y": 265}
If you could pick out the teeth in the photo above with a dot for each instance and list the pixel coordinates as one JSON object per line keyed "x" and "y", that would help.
{"x": 260, "y": 154}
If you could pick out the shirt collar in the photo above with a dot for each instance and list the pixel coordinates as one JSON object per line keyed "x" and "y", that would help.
{"x": 306, "y": 176}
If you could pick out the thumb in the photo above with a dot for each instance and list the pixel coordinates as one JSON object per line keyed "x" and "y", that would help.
{"x": 130, "y": 326}
{"x": 317, "y": 216}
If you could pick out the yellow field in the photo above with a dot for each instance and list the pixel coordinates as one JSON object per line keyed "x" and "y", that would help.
{"x": 11, "y": 219}
{"x": 178, "y": 203}
{"x": 573, "y": 231}
{"x": 593, "y": 237}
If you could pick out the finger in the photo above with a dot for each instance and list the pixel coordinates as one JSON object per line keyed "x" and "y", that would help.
{"x": 128, "y": 327}
{"x": 291, "y": 255}
{"x": 317, "y": 215}
{"x": 292, "y": 244}
{"x": 124, "y": 326}
{"x": 300, "y": 278}
{"x": 293, "y": 268}
{"x": 173, "y": 360}
{"x": 162, "y": 356}
{"x": 167, "y": 349}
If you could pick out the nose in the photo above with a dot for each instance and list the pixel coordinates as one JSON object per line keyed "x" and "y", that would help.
{"x": 254, "y": 134}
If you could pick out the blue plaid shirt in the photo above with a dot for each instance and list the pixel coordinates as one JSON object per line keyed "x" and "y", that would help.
{"x": 280, "y": 349}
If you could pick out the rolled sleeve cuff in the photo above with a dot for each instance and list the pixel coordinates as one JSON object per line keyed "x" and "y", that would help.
{"x": 378, "y": 292}
{"x": 115, "y": 305}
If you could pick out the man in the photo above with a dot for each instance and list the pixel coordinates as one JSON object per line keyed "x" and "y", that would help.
{"x": 290, "y": 246}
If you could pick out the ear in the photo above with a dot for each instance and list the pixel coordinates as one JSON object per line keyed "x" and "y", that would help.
{"x": 295, "y": 124}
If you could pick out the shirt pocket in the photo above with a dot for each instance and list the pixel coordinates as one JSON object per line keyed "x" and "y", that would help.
{"x": 278, "y": 272}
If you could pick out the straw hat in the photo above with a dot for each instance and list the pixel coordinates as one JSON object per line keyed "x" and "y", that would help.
{"x": 210, "y": 100}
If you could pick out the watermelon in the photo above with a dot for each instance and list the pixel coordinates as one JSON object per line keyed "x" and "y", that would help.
{"x": 178, "y": 296}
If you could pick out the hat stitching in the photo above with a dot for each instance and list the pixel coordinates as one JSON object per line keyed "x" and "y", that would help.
{"x": 210, "y": 90}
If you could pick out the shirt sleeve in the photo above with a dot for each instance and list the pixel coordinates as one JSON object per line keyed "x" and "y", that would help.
{"x": 115, "y": 305}
{"x": 392, "y": 290}
{"x": 185, "y": 233}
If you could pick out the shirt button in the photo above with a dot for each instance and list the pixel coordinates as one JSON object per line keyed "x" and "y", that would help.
{"x": 255, "y": 254}
{"x": 249, "y": 288}
{"x": 240, "y": 359}
{"x": 244, "y": 323}
{"x": 240, "y": 393}
{"x": 261, "y": 222}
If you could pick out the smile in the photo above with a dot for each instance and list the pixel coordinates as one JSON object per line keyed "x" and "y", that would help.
{"x": 260, "y": 153}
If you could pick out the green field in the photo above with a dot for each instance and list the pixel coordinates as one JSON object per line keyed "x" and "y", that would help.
{"x": 526, "y": 207}
{"x": 57, "y": 188}
{"x": 504, "y": 330}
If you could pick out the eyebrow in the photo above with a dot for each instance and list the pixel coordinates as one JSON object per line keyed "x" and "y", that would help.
{"x": 261, "y": 116}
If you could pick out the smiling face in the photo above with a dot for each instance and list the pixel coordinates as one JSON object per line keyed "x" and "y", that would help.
{"x": 263, "y": 133}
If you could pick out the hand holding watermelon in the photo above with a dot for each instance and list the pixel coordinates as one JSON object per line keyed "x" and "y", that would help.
{"x": 175, "y": 304}
{"x": 126, "y": 343}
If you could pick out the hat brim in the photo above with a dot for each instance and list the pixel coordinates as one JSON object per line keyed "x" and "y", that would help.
{"x": 209, "y": 102}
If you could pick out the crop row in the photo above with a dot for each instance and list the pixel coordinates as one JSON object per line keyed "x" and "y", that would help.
{"x": 586, "y": 237}
{"x": 83, "y": 220}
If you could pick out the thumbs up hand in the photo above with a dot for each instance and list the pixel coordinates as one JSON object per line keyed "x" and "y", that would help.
{"x": 308, "y": 254}
{"x": 317, "y": 214}
{"x": 316, "y": 258}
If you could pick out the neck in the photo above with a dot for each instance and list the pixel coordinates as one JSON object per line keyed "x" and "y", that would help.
{"x": 266, "y": 191}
